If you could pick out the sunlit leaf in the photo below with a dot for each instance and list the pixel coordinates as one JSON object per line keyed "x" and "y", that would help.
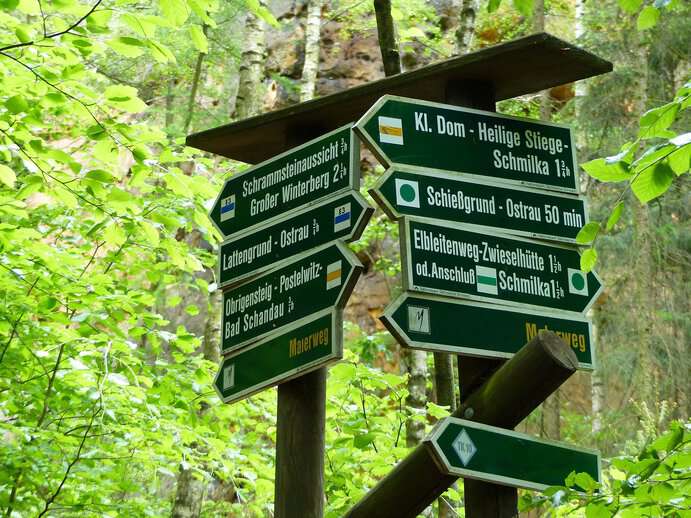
{"x": 601, "y": 170}
{"x": 653, "y": 182}
{"x": 7, "y": 176}
{"x": 615, "y": 215}
{"x": 199, "y": 38}
{"x": 588, "y": 259}
{"x": 648, "y": 18}
{"x": 588, "y": 233}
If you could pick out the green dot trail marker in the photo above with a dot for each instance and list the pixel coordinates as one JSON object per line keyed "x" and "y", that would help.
{"x": 451, "y": 259}
{"x": 445, "y": 196}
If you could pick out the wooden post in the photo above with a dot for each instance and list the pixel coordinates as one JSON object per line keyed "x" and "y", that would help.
{"x": 504, "y": 400}
{"x": 480, "y": 498}
{"x": 300, "y": 423}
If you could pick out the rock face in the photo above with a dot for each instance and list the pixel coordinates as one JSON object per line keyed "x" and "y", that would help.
{"x": 343, "y": 63}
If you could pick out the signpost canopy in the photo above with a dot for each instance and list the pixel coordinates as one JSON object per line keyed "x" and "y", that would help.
{"x": 515, "y": 68}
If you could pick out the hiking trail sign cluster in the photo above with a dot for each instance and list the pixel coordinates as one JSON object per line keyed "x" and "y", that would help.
{"x": 488, "y": 213}
{"x": 285, "y": 273}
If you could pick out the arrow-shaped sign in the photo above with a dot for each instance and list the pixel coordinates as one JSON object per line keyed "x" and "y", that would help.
{"x": 434, "y": 323}
{"x": 449, "y": 259}
{"x": 306, "y": 345}
{"x": 297, "y": 288}
{"x": 446, "y": 196}
{"x": 421, "y": 134}
{"x": 299, "y": 177}
{"x": 341, "y": 217}
{"x": 500, "y": 456}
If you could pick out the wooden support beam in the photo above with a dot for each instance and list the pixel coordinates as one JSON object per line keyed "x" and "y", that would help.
{"x": 504, "y": 400}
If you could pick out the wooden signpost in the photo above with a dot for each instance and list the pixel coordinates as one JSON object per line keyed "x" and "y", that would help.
{"x": 463, "y": 182}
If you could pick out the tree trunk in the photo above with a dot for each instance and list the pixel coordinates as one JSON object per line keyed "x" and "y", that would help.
{"x": 189, "y": 495}
{"x": 387, "y": 38}
{"x": 195, "y": 85}
{"x": 170, "y": 101}
{"x": 250, "y": 91}
{"x": 311, "y": 66}
{"x": 466, "y": 26}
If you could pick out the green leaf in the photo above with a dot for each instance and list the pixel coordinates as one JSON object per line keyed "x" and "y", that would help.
{"x": 126, "y": 46}
{"x": 23, "y": 33}
{"x": 8, "y": 5}
{"x": 655, "y": 122}
{"x": 588, "y": 233}
{"x": 175, "y": 11}
{"x": 525, "y": 7}
{"x": 588, "y": 259}
{"x": 199, "y": 38}
{"x": 630, "y": 6}
{"x": 493, "y": 5}
{"x": 680, "y": 160}
{"x": 150, "y": 232}
{"x": 262, "y": 12}
{"x": 16, "y": 104}
{"x": 648, "y": 18}
{"x": 7, "y": 176}
{"x": 653, "y": 182}
{"x": 615, "y": 215}
{"x": 124, "y": 98}
{"x": 597, "y": 510}
{"x": 607, "y": 172}
{"x": 100, "y": 176}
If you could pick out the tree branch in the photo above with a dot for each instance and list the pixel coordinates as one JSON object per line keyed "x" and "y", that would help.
{"x": 54, "y": 34}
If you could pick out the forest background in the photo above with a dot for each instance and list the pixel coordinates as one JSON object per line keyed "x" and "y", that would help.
{"x": 109, "y": 315}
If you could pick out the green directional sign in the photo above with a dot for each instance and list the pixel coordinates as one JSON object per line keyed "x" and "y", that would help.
{"x": 500, "y": 456}
{"x": 442, "y": 324}
{"x": 299, "y": 177}
{"x": 423, "y": 134}
{"x": 342, "y": 217}
{"x": 450, "y": 259}
{"x": 520, "y": 210}
{"x": 297, "y": 288}
{"x": 306, "y": 345}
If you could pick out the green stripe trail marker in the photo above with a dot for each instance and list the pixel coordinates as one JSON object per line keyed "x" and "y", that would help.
{"x": 297, "y": 288}
{"x": 445, "y": 196}
{"x": 305, "y": 346}
{"x": 500, "y": 456}
{"x": 450, "y": 259}
{"x": 421, "y": 134}
{"x": 302, "y": 176}
{"x": 342, "y": 217}
{"x": 442, "y": 324}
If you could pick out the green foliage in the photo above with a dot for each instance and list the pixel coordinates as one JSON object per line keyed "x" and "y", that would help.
{"x": 648, "y": 165}
{"x": 655, "y": 482}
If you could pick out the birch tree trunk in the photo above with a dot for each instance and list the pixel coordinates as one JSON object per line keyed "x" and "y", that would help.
{"x": 250, "y": 90}
{"x": 550, "y": 425}
{"x": 311, "y": 66}
{"x": 466, "y": 26}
